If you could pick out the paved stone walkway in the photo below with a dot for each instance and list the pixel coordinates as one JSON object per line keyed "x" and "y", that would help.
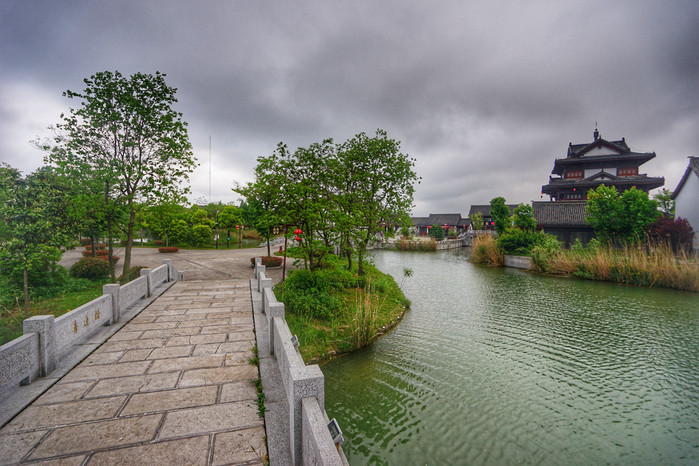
{"x": 174, "y": 386}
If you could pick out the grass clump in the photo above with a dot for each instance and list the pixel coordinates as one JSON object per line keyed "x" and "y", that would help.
{"x": 486, "y": 251}
{"x": 334, "y": 310}
{"x": 649, "y": 265}
{"x": 410, "y": 244}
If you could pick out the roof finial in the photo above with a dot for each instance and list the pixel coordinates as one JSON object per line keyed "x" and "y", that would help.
{"x": 596, "y": 133}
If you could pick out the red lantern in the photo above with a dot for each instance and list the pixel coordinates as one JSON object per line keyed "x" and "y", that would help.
{"x": 237, "y": 227}
{"x": 297, "y": 238}
{"x": 298, "y": 232}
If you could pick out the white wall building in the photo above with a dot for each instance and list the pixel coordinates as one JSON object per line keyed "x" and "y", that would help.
{"x": 686, "y": 197}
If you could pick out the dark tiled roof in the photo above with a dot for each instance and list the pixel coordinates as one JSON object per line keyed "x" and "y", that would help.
{"x": 484, "y": 209}
{"x": 575, "y": 149}
{"x": 440, "y": 219}
{"x": 561, "y": 213}
{"x": 693, "y": 167}
{"x": 444, "y": 219}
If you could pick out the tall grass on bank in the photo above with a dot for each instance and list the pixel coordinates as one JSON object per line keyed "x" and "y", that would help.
{"x": 652, "y": 265}
{"x": 367, "y": 307}
{"x": 486, "y": 251}
{"x": 409, "y": 244}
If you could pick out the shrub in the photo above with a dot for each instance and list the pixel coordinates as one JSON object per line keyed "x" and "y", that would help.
{"x": 677, "y": 231}
{"x": 307, "y": 293}
{"x": 157, "y": 242}
{"x": 84, "y": 241}
{"x": 168, "y": 249}
{"x": 517, "y": 241}
{"x": 90, "y": 267}
{"x": 269, "y": 261}
{"x": 437, "y": 232}
{"x": 133, "y": 274}
{"x": 88, "y": 247}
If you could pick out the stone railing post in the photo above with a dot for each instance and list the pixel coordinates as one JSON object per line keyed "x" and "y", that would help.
{"x": 43, "y": 325}
{"x": 258, "y": 264}
{"x": 168, "y": 262}
{"x": 264, "y": 282}
{"x": 307, "y": 382}
{"x": 146, "y": 273}
{"x": 113, "y": 289}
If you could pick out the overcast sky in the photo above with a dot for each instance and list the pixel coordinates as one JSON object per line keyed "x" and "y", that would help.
{"x": 484, "y": 94}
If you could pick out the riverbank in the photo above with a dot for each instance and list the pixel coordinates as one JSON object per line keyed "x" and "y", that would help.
{"x": 359, "y": 310}
{"x": 651, "y": 266}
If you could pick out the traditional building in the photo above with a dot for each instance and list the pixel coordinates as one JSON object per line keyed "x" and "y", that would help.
{"x": 686, "y": 197}
{"x": 484, "y": 210}
{"x": 447, "y": 221}
{"x": 586, "y": 166}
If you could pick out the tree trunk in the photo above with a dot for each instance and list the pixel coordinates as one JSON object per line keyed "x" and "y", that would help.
{"x": 129, "y": 239}
{"x": 110, "y": 252}
{"x": 94, "y": 244}
{"x": 269, "y": 249}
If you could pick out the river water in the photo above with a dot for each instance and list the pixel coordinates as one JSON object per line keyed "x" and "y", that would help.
{"x": 499, "y": 366}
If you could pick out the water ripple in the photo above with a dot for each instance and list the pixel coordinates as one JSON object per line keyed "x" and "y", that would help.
{"x": 497, "y": 366}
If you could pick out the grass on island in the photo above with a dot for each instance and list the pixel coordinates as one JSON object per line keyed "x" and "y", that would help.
{"x": 71, "y": 294}
{"x": 334, "y": 311}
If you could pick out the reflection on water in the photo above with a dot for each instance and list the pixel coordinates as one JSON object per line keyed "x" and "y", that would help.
{"x": 498, "y": 366}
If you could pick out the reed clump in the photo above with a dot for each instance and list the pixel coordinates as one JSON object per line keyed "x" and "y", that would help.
{"x": 650, "y": 265}
{"x": 486, "y": 251}
{"x": 410, "y": 244}
{"x": 367, "y": 306}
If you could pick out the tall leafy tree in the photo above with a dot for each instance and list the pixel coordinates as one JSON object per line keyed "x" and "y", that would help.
{"x": 500, "y": 214}
{"x": 524, "y": 217}
{"x": 126, "y": 135}
{"x": 624, "y": 217}
{"x": 34, "y": 212}
{"x": 377, "y": 183}
{"x": 477, "y": 221}
{"x": 665, "y": 202}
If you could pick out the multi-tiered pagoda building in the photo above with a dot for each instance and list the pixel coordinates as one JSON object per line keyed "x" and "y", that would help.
{"x": 587, "y": 166}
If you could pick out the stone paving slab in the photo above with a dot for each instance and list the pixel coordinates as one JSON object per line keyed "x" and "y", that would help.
{"x": 174, "y": 386}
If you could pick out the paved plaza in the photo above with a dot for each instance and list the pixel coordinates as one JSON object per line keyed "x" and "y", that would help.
{"x": 174, "y": 386}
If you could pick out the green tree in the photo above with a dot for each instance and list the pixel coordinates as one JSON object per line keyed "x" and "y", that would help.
{"x": 162, "y": 218}
{"x": 34, "y": 213}
{"x": 665, "y": 202}
{"x": 477, "y": 221}
{"x": 437, "y": 232}
{"x": 524, "y": 217}
{"x": 229, "y": 217}
{"x": 376, "y": 186}
{"x": 620, "y": 218}
{"x": 500, "y": 214}
{"x": 126, "y": 135}
{"x": 201, "y": 234}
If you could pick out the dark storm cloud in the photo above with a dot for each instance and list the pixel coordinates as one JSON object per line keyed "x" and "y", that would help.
{"x": 484, "y": 94}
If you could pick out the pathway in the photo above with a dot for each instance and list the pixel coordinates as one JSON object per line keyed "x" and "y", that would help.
{"x": 174, "y": 386}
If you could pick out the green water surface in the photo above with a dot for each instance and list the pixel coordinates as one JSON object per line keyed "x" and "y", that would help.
{"x": 499, "y": 366}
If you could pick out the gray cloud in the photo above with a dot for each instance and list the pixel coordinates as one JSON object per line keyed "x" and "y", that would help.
{"x": 485, "y": 94}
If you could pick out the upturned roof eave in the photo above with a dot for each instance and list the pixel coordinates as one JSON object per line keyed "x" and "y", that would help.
{"x": 560, "y": 164}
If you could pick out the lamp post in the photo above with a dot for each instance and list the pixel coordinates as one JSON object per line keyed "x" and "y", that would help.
{"x": 216, "y": 228}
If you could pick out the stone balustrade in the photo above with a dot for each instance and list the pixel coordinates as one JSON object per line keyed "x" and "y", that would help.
{"x": 46, "y": 339}
{"x": 304, "y": 386}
